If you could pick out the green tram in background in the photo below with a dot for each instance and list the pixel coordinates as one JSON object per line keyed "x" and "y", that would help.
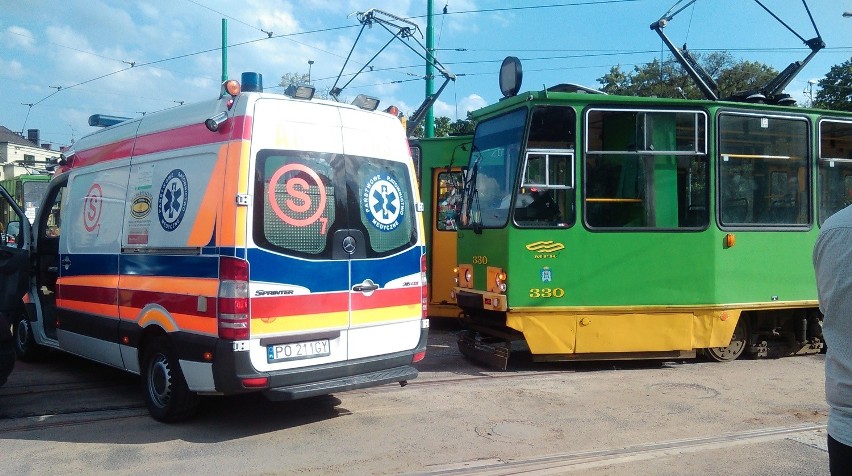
{"x": 27, "y": 190}
{"x": 605, "y": 227}
{"x": 439, "y": 163}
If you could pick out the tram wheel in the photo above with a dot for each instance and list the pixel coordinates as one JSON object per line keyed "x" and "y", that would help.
{"x": 164, "y": 387}
{"x": 739, "y": 341}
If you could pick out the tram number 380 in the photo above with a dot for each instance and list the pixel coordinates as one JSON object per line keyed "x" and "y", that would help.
{"x": 547, "y": 292}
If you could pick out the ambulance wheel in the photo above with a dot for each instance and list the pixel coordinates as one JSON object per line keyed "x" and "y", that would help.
{"x": 164, "y": 387}
{"x": 25, "y": 345}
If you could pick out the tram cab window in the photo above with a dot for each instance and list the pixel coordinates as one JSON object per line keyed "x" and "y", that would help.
{"x": 835, "y": 167}
{"x": 545, "y": 197}
{"x": 763, "y": 171}
{"x": 448, "y": 200}
{"x": 645, "y": 169}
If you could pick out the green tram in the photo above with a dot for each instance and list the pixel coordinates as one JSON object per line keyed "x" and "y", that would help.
{"x": 27, "y": 190}
{"x": 606, "y": 227}
{"x": 439, "y": 163}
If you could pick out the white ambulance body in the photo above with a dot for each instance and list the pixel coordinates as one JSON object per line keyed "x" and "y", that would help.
{"x": 257, "y": 242}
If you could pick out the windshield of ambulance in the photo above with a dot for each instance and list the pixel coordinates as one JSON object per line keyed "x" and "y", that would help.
{"x": 492, "y": 169}
{"x": 303, "y": 198}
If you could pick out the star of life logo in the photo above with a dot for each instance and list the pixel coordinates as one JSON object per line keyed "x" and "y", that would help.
{"x": 171, "y": 204}
{"x": 383, "y": 203}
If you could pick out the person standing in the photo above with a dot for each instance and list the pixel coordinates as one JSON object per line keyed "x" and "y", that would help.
{"x": 832, "y": 259}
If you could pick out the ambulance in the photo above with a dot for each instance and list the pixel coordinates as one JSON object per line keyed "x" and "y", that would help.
{"x": 257, "y": 242}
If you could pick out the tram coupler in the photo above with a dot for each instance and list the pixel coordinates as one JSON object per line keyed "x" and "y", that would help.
{"x": 493, "y": 352}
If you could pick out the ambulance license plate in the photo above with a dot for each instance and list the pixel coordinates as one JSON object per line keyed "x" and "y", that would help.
{"x": 297, "y": 350}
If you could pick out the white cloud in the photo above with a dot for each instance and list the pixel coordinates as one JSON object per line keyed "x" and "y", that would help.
{"x": 459, "y": 110}
{"x": 20, "y": 37}
{"x": 11, "y": 69}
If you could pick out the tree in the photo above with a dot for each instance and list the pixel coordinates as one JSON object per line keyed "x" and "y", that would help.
{"x": 444, "y": 128}
{"x": 669, "y": 79}
{"x": 294, "y": 78}
{"x": 304, "y": 78}
{"x": 835, "y": 89}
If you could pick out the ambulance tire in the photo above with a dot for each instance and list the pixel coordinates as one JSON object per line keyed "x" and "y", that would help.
{"x": 25, "y": 345}
{"x": 163, "y": 385}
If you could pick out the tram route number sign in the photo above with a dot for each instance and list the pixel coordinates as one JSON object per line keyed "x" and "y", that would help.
{"x": 297, "y": 350}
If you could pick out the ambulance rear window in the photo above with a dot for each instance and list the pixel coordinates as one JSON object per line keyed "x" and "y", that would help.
{"x": 302, "y": 198}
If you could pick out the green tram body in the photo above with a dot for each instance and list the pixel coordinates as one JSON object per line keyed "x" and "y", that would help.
{"x": 27, "y": 190}
{"x": 439, "y": 163}
{"x": 670, "y": 226}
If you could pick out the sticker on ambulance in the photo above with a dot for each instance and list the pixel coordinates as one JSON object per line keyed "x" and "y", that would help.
{"x": 141, "y": 205}
{"x": 174, "y": 196}
{"x": 383, "y": 203}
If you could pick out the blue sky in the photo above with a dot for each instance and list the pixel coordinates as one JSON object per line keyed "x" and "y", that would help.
{"x": 73, "y": 58}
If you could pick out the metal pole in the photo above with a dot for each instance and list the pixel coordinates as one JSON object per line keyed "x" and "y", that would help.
{"x": 224, "y": 50}
{"x": 429, "y": 126}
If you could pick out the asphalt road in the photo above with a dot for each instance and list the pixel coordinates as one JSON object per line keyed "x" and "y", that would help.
{"x": 754, "y": 417}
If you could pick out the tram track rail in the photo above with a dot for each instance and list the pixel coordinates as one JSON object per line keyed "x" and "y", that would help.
{"x": 588, "y": 459}
{"x": 75, "y": 417}
{"x": 36, "y": 406}
{"x": 45, "y": 388}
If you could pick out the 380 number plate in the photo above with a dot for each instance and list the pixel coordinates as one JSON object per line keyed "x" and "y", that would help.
{"x": 297, "y": 350}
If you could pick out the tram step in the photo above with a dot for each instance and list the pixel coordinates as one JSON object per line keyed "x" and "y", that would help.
{"x": 494, "y": 354}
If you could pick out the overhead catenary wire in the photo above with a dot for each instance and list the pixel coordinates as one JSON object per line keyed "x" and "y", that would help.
{"x": 290, "y": 37}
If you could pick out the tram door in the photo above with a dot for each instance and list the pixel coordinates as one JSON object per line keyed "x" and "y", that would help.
{"x": 447, "y": 185}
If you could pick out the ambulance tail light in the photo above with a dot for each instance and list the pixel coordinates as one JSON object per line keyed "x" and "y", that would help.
{"x": 233, "y": 299}
{"x": 424, "y": 289}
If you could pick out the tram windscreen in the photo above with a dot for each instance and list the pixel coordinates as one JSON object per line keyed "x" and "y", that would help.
{"x": 492, "y": 170}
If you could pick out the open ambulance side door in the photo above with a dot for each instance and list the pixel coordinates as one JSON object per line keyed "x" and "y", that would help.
{"x": 15, "y": 238}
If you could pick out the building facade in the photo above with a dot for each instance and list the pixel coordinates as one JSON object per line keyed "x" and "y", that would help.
{"x": 24, "y": 155}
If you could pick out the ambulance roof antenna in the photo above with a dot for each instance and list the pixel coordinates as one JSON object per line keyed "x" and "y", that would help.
{"x": 405, "y": 30}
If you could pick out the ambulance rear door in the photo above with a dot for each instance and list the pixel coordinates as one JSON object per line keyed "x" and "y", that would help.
{"x": 330, "y": 280}
{"x": 386, "y": 294}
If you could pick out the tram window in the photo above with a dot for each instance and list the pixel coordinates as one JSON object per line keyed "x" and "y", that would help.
{"x": 552, "y": 127}
{"x": 835, "y": 167}
{"x": 416, "y": 157}
{"x": 645, "y": 169}
{"x": 546, "y": 194}
{"x": 763, "y": 171}
{"x": 448, "y": 201}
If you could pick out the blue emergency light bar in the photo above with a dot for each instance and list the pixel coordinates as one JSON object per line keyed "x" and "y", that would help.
{"x": 102, "y": 120}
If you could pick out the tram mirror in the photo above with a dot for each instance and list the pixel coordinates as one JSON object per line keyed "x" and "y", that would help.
{"x": 511, "y": 75}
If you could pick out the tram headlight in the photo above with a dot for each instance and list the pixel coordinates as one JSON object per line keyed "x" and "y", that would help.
{"x": 464, "y": 276}
{"x": 497, "y": 280}
{"x": 500, "y": 281}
